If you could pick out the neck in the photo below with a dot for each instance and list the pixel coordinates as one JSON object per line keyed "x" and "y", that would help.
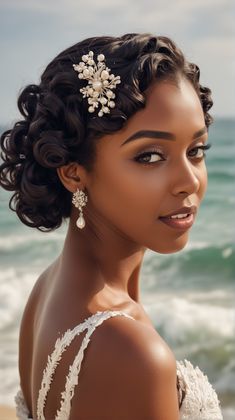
{"x": 101, "y": 263}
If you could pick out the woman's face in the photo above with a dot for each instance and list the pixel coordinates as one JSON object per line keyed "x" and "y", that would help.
{"x": 130, "y": 193}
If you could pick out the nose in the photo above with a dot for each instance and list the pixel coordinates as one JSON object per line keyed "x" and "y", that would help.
{"x": 186, "y": 179}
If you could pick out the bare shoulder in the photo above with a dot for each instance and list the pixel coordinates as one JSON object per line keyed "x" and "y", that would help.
{"x": 38, "y": 289}
{"x": 129, "y": 372}
{"x": 32, "y": 312}
{"x": 27, "y": 325}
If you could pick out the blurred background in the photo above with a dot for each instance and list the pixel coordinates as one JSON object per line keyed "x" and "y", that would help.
{"x": 188, "y": 295}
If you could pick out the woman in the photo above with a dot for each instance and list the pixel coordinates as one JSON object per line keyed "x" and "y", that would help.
{"x": 113, "y": 141}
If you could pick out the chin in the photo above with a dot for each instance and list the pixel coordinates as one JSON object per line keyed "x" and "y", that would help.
{"x": 171, "y": 247}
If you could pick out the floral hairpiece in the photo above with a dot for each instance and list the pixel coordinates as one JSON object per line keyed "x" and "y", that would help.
{"x": 100, "y": 82}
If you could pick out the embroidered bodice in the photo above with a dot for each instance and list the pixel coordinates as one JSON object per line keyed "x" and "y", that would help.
{"x": 197, "y": 399}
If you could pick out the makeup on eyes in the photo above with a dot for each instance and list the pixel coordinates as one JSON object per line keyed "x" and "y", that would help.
{"x": 157, "y": 151}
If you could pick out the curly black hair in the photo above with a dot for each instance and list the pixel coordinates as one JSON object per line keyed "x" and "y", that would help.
{"x": 58, "y": 129}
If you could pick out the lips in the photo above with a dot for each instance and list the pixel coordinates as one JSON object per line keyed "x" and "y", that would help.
{"x": 181, "y": 223}
{"x": 182, "y": 210}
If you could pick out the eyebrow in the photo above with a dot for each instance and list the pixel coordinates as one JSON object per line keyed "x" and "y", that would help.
{"x": 161, "y": 135}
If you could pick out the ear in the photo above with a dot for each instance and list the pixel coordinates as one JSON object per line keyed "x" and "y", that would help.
{"x": 72, "y": 176}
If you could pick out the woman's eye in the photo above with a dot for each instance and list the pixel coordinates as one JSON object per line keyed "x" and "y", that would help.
{"x": 201, "y": 150}
{"x": 144, "y": 157}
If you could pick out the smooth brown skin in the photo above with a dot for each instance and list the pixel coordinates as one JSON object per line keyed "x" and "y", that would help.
{"x": 99, "y": 267}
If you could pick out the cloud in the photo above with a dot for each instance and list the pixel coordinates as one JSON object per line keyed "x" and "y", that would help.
{"x": 144, "y": 12}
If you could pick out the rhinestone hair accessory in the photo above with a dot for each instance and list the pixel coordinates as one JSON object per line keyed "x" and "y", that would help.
{"x": 100, "y": 82}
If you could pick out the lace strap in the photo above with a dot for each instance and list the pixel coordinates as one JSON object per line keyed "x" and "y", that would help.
{"x": 53, "y": 360}
{"x": 60, "y": 346}
{"x": 200, "y": 401}
{"x": 74, "y": 369}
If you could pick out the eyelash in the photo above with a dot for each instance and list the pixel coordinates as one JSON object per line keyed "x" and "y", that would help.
{"x": 137, "y": 158}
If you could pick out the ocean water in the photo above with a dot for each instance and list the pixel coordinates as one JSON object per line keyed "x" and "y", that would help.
{"x": 188, "y": 295}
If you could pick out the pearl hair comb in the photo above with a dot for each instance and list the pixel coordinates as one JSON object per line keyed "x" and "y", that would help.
{"x": 100, "y": 82}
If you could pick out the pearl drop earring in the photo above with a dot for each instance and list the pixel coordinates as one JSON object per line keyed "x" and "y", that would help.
{"x": 79, "y": 200}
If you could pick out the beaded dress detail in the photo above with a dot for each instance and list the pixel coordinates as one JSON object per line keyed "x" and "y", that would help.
{"x": 197, "y": 398}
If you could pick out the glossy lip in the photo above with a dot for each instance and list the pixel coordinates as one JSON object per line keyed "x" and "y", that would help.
{"x": 181, "y": 224}
{"x": 182, "y": 210}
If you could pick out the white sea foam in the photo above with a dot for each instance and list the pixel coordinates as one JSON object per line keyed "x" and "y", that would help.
{"x": 227, "y": 252}
{"x": 11, "y": 241}
{"x": 180, "y": 315}
{"x": 15, "y": 287}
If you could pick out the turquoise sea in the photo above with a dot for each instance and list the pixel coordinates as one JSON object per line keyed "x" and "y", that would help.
{"x": 188, "y": 295}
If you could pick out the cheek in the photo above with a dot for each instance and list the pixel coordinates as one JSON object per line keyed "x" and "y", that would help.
{"x": 128, "y": 193}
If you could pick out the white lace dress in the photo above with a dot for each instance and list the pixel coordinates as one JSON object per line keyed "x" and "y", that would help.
{"x": 197, "y": 399}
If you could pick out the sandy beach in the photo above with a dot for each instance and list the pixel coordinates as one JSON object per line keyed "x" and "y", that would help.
{"x": 7, "y": 413}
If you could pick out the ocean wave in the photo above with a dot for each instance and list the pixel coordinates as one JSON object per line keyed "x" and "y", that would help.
{"x": 200, "y": 332}
{"x": 210, "y": 260}
{"x": 19, "y": 239}
{"x": 200, "y": 266}
{"x": 182, "y": 319}
{"x": 15, "y": 288}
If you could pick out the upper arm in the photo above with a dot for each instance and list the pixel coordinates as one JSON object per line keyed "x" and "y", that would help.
{"x": 128, "y": 373}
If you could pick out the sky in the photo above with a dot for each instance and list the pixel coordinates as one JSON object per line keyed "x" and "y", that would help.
{"x": 33, "y": 32}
